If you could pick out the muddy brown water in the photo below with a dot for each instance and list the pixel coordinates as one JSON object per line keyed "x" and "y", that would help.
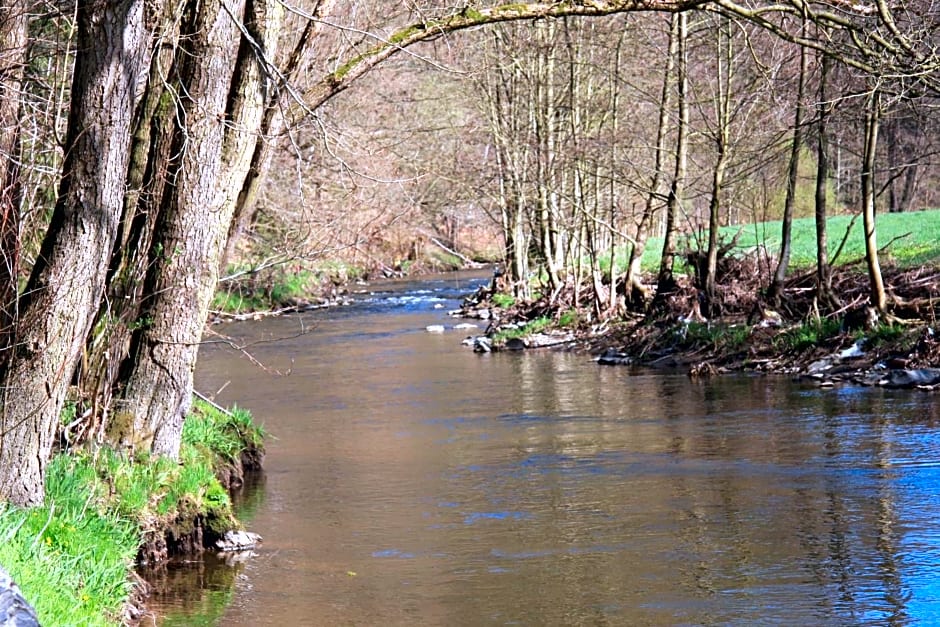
{"x": 410, "y": 481}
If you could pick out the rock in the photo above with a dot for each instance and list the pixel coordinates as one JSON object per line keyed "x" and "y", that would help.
{"x": 770, "y": 319}
{"x": 613, "y": 357}
{"x": 434, "y": 328}
{"x": 856, "y": 350}
{"x": 546, "y": 340}
{"x": 236, "y": 540}
{"x": 910, "y": 378}
{"x": 15, "y": 610}
{"x": 466, "y": 325}
{"x": 482, "y": 344}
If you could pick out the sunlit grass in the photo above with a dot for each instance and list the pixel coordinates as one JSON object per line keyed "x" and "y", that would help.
{"x": 72, "y": 557}
{"x": 913, "y": 239}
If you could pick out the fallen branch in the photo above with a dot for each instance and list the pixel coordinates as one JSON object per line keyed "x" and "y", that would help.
{"x": 467, "y": 261}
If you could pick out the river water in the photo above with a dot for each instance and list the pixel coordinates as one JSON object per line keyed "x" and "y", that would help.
{"x": 410, "y": 481}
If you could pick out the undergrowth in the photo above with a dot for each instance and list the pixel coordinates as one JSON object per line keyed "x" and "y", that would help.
{"x": 811, "y": 333}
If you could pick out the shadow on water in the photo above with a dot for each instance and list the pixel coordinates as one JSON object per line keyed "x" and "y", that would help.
{"x": 195, "y": 592}
{"x": 412, "y": 482}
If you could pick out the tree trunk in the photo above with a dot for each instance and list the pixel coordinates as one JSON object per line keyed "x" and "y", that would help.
{"x": 151, "y": 145}
{"x": 665, "y": 281}
{"x": 723, "y": 115}
{"x": 272, "y": 124}
{"x": 67, "y": 281}
{"x": 634, "y": 289}
{"x": 826, "y": 300}
{"x": 12, "y": 61}
{"x": 219, "y": 117}
{"x": 876, "y": 282}
{"x": 783, "y": 260}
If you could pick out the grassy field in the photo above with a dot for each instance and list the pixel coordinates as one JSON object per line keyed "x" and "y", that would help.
{"x": 912, "y": 238}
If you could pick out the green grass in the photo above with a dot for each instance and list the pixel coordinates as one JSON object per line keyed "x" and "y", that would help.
{"x": 219, "y": 436}
{"x": 891, "y": 334}
{"x": 503, "y": 301}
{"x": 263, "y": 291}
{"x": 717, "y": 336}
{"x": 277, "y": 285}
{"x": 569, "y": 318}
{"x": 808, "y": 334}
{"x": 72, "y": 557}
{"x": 529, "y": 328}
{"x": 915, "y": 238}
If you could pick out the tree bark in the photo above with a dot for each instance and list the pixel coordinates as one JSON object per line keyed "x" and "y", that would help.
{"x": 67, "y": 281}
{"x": 220, "y": 108}
{"x": 13, "y": 23}
{"x": 151, "y": 145}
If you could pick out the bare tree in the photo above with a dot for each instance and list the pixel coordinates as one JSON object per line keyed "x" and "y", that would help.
{"x": 824, "y": 296}
{"x": 872, "y": 122}
{"x": 775, "y": 290}
{"x": 666, "y": 282}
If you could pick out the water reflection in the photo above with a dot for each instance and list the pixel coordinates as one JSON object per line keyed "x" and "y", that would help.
{"x": 415, "y": 483}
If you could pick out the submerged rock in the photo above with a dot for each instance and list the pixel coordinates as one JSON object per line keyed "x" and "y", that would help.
{"x": 15, "y": 610}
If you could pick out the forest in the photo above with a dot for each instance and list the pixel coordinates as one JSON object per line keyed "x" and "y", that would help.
{"x": 150, "y": 148}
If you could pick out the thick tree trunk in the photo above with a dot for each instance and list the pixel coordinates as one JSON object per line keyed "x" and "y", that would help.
{"x": 220, "y": 117}
{"x": 61, "y": 297}
{"x": 151, "y": 147}
{"x": 13, "y": 23}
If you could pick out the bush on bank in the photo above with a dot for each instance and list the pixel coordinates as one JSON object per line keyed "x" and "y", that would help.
{"x": 74, "y": 557}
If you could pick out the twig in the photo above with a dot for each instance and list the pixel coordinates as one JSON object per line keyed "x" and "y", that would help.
{"x": 845, "y": 238}
{"x": 215, "y": 405}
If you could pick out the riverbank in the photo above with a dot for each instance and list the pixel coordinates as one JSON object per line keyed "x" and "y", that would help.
{"x": 852, "y": 343}
{"x": 105, "y": 512}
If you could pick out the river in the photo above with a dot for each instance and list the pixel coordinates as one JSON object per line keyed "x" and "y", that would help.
{"x": 410, "y": 481}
